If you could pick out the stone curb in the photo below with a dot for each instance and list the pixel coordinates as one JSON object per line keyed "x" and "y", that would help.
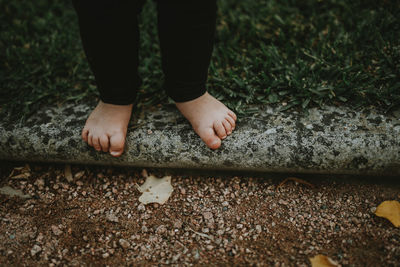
{"x": 327, "y": 141}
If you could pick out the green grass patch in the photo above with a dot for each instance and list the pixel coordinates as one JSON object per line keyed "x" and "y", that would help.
{"x": 300, "y": 53}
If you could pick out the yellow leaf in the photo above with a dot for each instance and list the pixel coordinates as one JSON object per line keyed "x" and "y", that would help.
{"x": 322, "y": 261}
{"x": 390, "y": 210}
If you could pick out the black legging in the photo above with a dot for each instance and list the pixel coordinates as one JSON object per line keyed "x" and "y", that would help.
{"x": 110, "y": 37}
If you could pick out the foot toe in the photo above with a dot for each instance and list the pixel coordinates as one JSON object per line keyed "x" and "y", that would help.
{"x": 90, "y": 139}
{"x": 232, "y": 114}
{"x": 220, "y": 129}
{"x": 104, "y": 143}
{"x": 210, "y": 138}
{"x": 117, "y": 143}
{"x": 96, "y": 143}
{"x": 85, "y": 133}
{"x": 227, "y": 126}
{"x": 231, "y": 121}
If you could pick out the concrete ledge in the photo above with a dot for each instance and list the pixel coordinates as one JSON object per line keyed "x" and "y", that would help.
{"x": 332, "y": 140}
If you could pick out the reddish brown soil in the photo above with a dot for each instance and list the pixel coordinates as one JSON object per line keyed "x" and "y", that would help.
{"x": 207, "y": 220}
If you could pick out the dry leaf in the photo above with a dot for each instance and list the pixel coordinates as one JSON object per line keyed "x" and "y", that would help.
{"x": 322, "y": 261}
{"x": 21, "y": 172}
{"x": 68, "y": 173}
{"x": 390, "y": 210}
{"x": 294, "y": 179}
{"x": 155, "y": 190}
{"x": 24, "y": 175}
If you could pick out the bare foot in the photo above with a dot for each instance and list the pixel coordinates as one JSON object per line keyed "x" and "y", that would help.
{"x": 106, "y": 127}
{"x": 210, "y": 119}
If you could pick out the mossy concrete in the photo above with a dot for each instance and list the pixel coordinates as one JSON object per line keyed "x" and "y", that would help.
{"x": 335, "y": 140}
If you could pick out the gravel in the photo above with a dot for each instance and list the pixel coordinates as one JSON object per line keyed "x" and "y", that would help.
{"x": 56, "y": 230}
{"x": 97, "y": 219}
{"x": 35, "y": 250}
{"x": 124, "y": 244}
{"x": 112, "y": 218}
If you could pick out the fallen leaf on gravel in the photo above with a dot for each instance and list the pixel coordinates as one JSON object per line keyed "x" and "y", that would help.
{"x": 322, "y": 261}
{"x": 21, "y": 172}
{"x": 155, "y": 190}
{"x": 9, "y": 191}
{"x": 294, "y": 179}
{"x": 68, "y": 173}
{"x": 24, "y": 175}
{"x": 390, "y": 210}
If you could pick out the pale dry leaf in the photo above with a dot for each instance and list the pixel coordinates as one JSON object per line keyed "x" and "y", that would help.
{"x": 18, "y": 168}
{"x": 24, "y": 175}
{"x": 294, "y": 179}
{"x": 68, "y": 173}
{"x": 322, "y": 261}
{"x": 155, "y": 190}
{"x": 390, "y": 210}
{"x": 21, "y": 172}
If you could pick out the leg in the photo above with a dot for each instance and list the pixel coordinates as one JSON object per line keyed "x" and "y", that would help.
{"x": 110, "y": 38}
{"x": 186, "y": 30}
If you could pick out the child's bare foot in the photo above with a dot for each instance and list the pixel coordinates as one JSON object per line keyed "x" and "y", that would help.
{"x": 106, "y": 128}
{"x": 210, "y": 119}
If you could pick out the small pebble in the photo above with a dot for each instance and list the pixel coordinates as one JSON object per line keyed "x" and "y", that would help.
{"x": 35, "y": 250}
{"x": 123, "y": 243}
{"x": 56, "y": 230}
{"x": 161, "y": 229}
{"x": 207, "y": 215}
{"x": 205, "y": 230}
{"x": 105, "y": 255}
{"x": 112, "y": 218}
{"x": 178, "y": 224}
{"x": 141, "y": 207}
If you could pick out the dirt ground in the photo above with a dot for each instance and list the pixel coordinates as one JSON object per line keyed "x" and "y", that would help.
{"x": 97, "y": 219}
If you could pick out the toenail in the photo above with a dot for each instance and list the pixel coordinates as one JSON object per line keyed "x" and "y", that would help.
{"x": 223, "y": 137}
{"x": 114, "y": 153}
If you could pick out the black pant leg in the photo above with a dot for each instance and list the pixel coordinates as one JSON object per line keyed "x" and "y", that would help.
{"x": 110, "y": 38}
{"x": 186, "y": 31}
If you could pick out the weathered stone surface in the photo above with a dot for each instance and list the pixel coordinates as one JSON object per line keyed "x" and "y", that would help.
{"x": 329, "y": 140}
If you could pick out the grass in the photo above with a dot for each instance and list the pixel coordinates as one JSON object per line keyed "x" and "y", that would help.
{"x": 289, "y": 53}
